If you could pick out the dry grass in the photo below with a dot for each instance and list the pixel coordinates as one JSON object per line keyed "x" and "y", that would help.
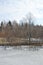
{"x": 17, "y": 41}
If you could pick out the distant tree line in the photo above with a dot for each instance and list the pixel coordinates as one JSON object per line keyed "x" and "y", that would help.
{"x": 25, "y": 29}
{"x": 13, "y": 29}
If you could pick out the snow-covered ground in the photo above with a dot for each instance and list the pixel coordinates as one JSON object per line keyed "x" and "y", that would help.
{"x": 21, "y": 55}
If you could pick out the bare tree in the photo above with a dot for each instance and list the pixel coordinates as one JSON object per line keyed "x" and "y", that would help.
{"x": 30, "y": 19}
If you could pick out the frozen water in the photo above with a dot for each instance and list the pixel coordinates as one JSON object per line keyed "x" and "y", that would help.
{"x": 21, "y": 55}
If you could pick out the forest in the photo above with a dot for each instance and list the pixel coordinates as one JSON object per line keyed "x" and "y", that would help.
{"x": 13, "y": 32}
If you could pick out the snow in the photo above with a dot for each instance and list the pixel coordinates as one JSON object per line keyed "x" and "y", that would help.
{"x": 21, "y": 55}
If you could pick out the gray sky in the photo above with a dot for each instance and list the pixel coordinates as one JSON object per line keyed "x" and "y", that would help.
{"x": 17, "y": 9}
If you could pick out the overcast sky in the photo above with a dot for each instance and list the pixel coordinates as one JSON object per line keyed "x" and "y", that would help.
{"x": 16, "y": 9}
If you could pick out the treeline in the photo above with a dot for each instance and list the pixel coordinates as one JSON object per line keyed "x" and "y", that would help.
{"x": 22, "y": 30}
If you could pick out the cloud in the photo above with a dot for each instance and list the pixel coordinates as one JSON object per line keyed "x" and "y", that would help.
{"x": 16, "y": 9}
